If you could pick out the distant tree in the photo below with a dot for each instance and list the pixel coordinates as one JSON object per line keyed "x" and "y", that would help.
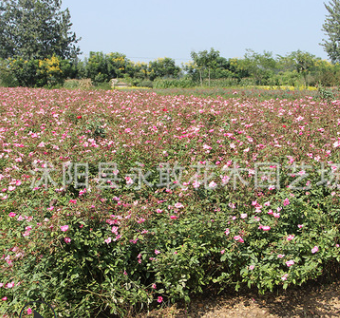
{"x": 239, "y": 67}
{"x": 190, "y": 71}
{"x": 164, "y": 68}
{"x": 332, "y": 28}
{"x": 139, "y": 70}
{"x": 304, "y": 63}
{"x": 36, "y": 29}
{"x": 116, "y": 64}
{"x": 326, "y": 73}
{"x": 205, "y": 61}
{"x": 97, "y": 68}
{"x": 200, "y": 60}
{"x": 260, "y": 66}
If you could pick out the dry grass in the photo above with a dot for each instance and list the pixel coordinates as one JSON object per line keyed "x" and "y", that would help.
{"x": 84, "y": 83}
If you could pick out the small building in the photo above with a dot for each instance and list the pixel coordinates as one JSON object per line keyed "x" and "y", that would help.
{"x": 115, "y": 83}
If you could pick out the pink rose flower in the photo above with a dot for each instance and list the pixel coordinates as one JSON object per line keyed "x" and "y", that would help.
{"x": 290, "y": 263}
{"x": 64, "y": 228}
{"x": 286, "y": 202}
{"x": 315, "y": 249}
{"x": 290, "y": 237}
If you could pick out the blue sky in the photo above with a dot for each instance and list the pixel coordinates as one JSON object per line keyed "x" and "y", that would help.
{"x": 144, "y": 30}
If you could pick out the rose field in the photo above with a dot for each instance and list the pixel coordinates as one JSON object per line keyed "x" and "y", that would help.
{"x": 113, "y": 202}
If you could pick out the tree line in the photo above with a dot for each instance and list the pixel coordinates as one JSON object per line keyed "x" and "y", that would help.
{"x": 297, "y": 68}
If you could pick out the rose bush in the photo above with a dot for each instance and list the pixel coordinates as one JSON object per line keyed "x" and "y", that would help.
{"x": 91, "y": 222}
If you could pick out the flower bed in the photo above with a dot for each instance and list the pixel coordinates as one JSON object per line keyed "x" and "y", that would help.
{"x": 113, "y": 200}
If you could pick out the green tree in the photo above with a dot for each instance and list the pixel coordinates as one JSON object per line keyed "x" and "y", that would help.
{"x": 190, "y": 71}
{"x": 138, "y": 70}
{"x": 163, "y": 68}
{"x": 7, "y": 78}
{"x": 117, "y": 64}
{"x": 326, "y": 73}
{"x": 36, "y": 29}
{"x": 260, "y": 66}
{"x": 239, "y": 67}
{"x": 205, "y": 61}
{"x": 221, "y": 69}
{"x": 304, "y": 63}
{"x": 331, "y": 27}
{"x": 24, "y": 71}
{"x": 96, "y": 67}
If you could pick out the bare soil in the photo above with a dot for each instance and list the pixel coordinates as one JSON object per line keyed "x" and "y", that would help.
{"x": 312, "y": 300}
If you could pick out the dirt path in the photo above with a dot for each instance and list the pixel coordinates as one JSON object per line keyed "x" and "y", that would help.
{"x": 311, "y": 301}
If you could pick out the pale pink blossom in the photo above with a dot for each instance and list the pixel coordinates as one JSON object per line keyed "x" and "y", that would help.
{"x": 10, "y": 285}
{"x": 290, "y": 237}
{"x": 238, "y": 238}
{"x": 128, "y": 180}
{"x": 64, "y": 228}
{"x": 196, "y": 184}
{"x": 114, "y": 230}
{"x": 315, "y": 249}
{"x": 212, "y": 184}
{"x": 290, "y": 263}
